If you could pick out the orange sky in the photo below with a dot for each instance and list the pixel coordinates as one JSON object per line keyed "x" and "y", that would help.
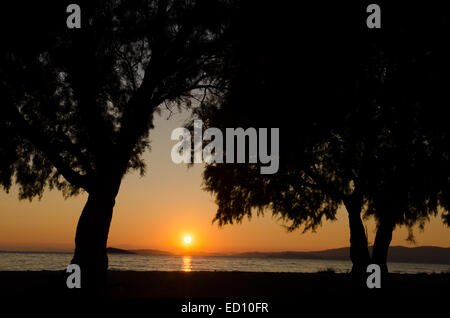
{"x": 159, "y": 209}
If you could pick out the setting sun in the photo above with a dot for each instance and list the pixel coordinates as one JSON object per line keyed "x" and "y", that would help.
{"x": 187, "y": 239}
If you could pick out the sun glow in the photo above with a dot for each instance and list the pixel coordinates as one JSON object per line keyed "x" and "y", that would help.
{"x": 187, "y": 239}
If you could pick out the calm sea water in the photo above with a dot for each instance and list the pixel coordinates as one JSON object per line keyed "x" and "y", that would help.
{"x": 19, "y": 261}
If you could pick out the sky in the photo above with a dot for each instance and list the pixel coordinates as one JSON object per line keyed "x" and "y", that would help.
{"x": 158, "y": 210}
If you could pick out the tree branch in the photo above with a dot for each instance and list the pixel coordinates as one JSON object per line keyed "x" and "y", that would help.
{"x": 41, "y": 142}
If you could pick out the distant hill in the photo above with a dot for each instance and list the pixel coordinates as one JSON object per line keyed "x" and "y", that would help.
{"x": 422, "y": 254}
{"x": 112, "y": 250}
{"x": 333, "y": 254}
{"x": 151, "y": 252}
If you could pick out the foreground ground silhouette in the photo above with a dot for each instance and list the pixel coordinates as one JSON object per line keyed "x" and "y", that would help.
{"x": 166, "y": 292}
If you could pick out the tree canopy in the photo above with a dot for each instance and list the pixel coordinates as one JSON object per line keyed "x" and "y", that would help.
{"x": 83, "y": 99}
{"x": 361, "y": 118}
{"x": 78, "y": 104}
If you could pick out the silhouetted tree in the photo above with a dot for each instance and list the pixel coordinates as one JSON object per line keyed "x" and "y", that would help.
{"x": 282, "y": 75}
{"x": 81, "y": 101}
{"x": 411, "y": 166}
{"x": 360, "y": 117}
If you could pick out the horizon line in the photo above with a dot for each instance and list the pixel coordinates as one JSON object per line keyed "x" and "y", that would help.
{"x": 179, "y": 253}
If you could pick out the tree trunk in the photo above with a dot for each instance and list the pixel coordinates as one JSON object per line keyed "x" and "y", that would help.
{"x": 359, "y": 252}
{"x": 381, "y": 245}
{"x": 91, "y": 239}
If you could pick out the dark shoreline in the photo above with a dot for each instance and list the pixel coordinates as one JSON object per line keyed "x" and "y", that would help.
{"x": 163, "y": 294}
{"x": 159, "y": 284}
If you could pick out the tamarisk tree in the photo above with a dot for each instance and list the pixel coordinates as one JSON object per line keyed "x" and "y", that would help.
{"x": 360, "y": 116}
{"x": 78, "y": 104}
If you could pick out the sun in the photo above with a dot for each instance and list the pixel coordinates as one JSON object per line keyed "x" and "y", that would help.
{"x": 187, "y": 239}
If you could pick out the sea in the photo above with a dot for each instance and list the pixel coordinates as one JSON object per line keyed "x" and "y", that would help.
{"x": 38, "y": 261}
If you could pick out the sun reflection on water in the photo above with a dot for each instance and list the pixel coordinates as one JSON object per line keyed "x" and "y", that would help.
{"x": 187, "y": 264}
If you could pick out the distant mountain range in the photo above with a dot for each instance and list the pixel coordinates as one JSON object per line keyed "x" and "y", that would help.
{"x": 422, "y": 254}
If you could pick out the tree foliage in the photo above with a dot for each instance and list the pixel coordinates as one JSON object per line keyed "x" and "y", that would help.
{"x": 361, "y": 115}
{"x": 80, "y": 102}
